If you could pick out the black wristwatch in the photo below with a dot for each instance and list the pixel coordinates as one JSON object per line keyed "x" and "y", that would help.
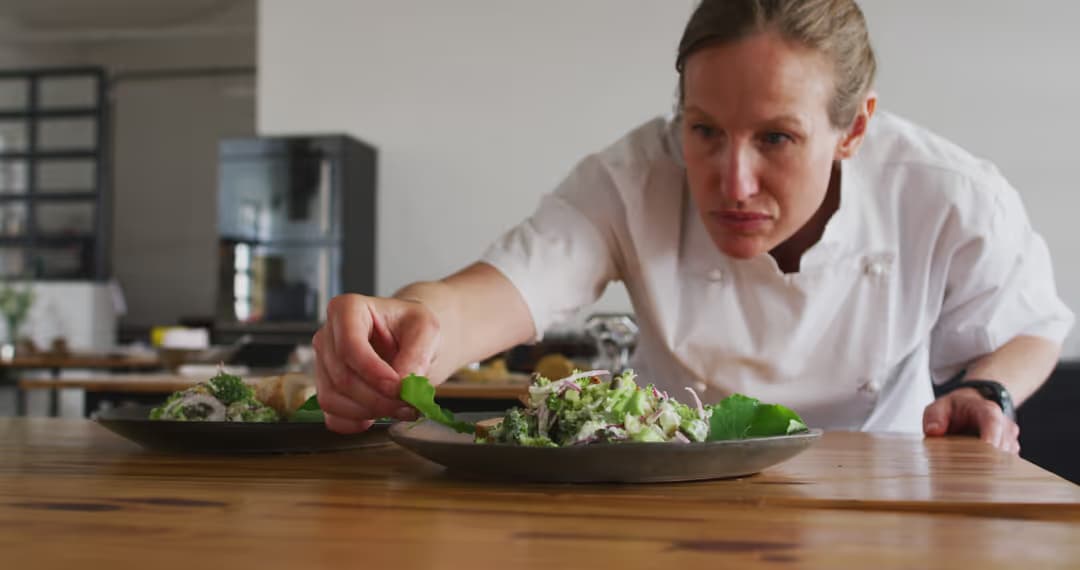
{"x": 991, "y": 390}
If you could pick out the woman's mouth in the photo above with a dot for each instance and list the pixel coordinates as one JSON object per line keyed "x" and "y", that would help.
{"x": 741, "y": 221}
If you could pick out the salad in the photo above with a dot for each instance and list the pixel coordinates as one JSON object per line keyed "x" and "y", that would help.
{"x": 583, "y": 408}
{"x": 586, "y": 408}
{"x": 223, "y": 398}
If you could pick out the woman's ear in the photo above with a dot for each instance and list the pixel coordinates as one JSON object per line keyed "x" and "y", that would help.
{"x": 855, "y": 134}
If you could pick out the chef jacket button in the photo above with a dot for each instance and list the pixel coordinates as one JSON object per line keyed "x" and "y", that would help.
{"x": 700, "y": 386}
{"x": 875, "y": 269}
{"x": 716, "y": 275}
{"x": 869, "y": 386}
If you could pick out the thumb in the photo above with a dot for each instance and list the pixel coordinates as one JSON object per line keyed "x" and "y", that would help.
{"x": 936, "y": 417}
{"x": 417, "y": 340}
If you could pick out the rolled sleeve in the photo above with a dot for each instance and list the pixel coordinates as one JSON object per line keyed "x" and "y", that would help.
{"x": 562, "y": 258}
{"x": 1000, "y": 285}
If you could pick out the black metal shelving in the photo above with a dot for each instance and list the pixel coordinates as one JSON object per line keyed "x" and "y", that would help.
{"x": 33, "y": 233}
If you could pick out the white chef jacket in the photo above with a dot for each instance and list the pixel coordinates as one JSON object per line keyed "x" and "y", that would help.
{"x": 929, "y": 263}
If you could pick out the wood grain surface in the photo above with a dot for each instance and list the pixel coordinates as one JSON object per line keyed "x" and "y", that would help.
{"x": 73, "y": 493}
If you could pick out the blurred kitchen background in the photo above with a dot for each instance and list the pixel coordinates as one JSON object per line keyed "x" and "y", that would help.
{"x": 188, "y": 181}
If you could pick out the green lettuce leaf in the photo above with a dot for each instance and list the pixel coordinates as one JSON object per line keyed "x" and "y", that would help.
{"x": 309, "y": 411}
{"x": 418, "y": 392}
{"x": 740, "y": 417}
{"x": 731, "y": 417}
{"x": 774, "y": 419}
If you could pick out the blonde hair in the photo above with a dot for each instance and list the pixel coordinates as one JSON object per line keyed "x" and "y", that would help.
{"x": 834, "y": 28}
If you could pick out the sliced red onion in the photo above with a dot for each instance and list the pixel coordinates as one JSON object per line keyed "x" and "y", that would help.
{"x": 577, "y": 375}
{"x": 700, "y": 408}
{"x": 542, "y": 419}
{"x": 567, "y": 387}
{"x": 679, "y": 437}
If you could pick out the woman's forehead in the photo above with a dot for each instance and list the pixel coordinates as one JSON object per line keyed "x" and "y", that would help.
{"x": 759, "y": 75}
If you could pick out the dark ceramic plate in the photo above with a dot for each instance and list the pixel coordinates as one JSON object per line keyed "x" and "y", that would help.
{"x": 132, "y": 422}
{"x": 615, "y": 462}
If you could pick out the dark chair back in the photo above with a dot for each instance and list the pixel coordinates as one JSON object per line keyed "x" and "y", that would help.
{"x": 1050, "y": 423}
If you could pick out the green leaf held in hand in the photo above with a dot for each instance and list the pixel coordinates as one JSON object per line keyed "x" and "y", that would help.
{"x": 418, "y": 392}
{"x": 739, "y": 417}
{"x": 308, "y": 412}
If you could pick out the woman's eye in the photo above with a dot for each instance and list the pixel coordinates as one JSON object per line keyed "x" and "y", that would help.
{"x": 703, "y": 131}
{"x": 776, "y": 139}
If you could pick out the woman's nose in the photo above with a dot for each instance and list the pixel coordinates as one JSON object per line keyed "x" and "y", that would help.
{"x": 738, "y": 182}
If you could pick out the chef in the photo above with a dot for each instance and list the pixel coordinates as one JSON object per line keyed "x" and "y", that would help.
{"x": 779, "y": 236}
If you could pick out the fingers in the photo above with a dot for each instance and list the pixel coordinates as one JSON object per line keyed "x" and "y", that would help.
{"x": 354, "y": 398}
{"x": 936, "y": 417}
{"x": 324, "y": 387}
{"x": 349, "y": 327}
{"x": 991, "y": 423}
{"x": 999, "y": 431}
{"x": 346, "y": 426}
{"x": 1014, "y": 441}
{"x": 344, "y": 394}
{"x": 963, "y": 412}
{"x": 346, "y": 415}
{"x": 418, "y": 337}
{"x": 353, "y": 381}
{"x": 1010, "y": 440}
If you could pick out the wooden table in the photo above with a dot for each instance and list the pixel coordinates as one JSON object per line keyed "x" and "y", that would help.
{"x": 481, "y": 395}
{"x": 57, "y": 363}
{"x": 74, "y": 495}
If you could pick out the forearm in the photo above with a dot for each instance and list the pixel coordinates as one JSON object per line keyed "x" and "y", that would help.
{"x": 479, "y": 313}
{"x": 1021, "y": 365}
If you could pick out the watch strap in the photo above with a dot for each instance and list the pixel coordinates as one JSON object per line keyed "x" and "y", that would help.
{"x": 991, "y": 390}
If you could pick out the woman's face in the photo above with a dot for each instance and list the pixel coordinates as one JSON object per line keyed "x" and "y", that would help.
{"x": 757, "y": 140}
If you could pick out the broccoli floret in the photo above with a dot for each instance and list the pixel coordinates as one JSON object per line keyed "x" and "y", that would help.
{"x": 229, "y": 388}
{"x": 251, "y": 411}
{"x": 537, "y": 442}
{"x": 517, "y": 428}
{"x": 171, "y": 408}
{"x": 514, "y": 427}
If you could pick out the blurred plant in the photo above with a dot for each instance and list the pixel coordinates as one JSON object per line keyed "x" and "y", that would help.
{"x": 15, "y": 303}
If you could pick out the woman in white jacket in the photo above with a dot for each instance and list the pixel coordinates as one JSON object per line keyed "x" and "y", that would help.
{"x": 778, "y": 237}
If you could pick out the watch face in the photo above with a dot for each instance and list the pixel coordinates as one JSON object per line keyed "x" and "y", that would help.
{"x": 995, "y": 392}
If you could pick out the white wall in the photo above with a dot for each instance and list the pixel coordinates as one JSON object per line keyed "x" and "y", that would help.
{"x": 82, "y": 313}
{"x": 479, "y": 106}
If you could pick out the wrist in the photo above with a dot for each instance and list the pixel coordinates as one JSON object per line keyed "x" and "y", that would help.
{"x": 427, "y": 294}
{"x": 991, "y": 390}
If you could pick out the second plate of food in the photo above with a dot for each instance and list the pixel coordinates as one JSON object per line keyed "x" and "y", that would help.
{"x": 134, "y": 423}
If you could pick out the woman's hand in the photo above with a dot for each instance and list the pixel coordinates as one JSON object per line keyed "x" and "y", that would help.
{"x": 368, "y": 344}
{"x": 965, "y": 411}
{"x": 365, "y": 348}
